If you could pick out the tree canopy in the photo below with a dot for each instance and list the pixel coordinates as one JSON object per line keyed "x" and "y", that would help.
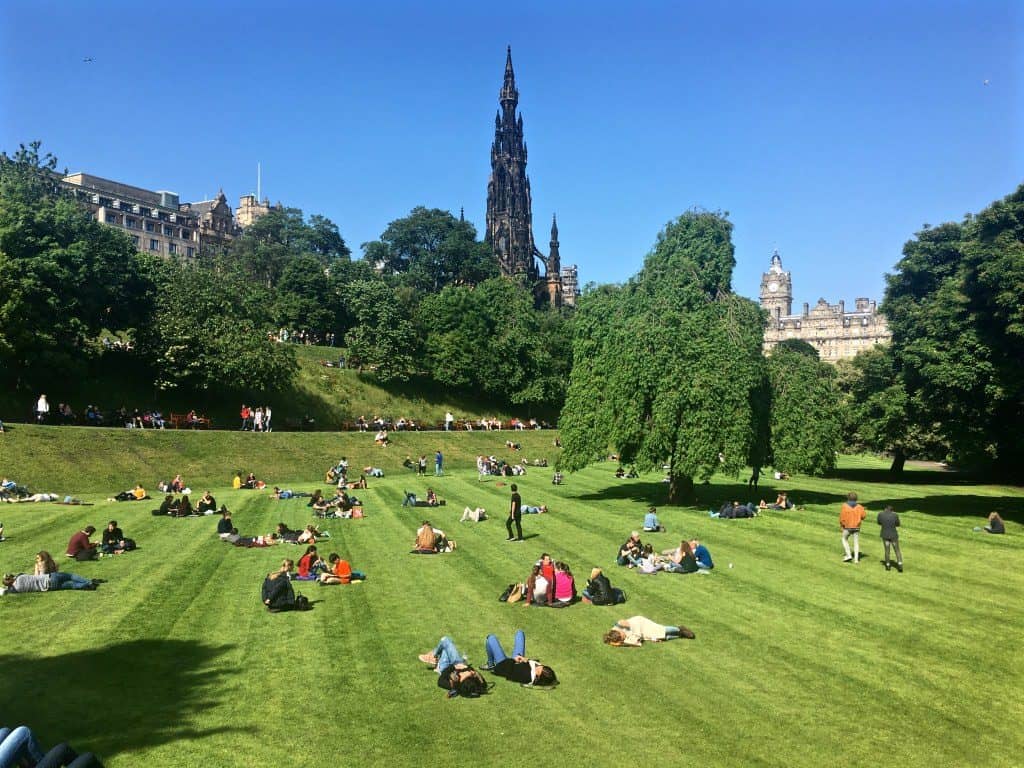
{"x": 667, "y": 368}
{"x": 955, "y": 310}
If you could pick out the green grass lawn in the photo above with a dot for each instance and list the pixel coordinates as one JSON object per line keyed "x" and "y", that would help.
{"x": 799, "y": 658}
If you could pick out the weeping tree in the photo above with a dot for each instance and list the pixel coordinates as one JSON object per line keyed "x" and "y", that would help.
{"x": 667, "y": 369}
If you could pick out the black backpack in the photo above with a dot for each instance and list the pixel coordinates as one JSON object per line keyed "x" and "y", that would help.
{"x": 503, "y": 597}
{"x": 302, "y": 603}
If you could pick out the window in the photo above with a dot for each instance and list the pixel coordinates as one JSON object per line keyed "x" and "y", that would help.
{"x": 150, "y": 227}
{"x": 169, "y": 231}
{"x": 154, "y": 244}
{"x": 135, "y": 241}
{"x": 111, "y": 218}
{"x": 190, "y": 251}
{"x": 172, "y": 248}
{"x": 131, "y": 223}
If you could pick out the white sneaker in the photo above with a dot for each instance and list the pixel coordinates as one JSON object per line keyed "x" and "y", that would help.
{"x": 848, "y": 559}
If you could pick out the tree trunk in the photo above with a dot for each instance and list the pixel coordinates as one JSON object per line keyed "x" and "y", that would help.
{"x": 680, "y": 490}
{"x": 899, "y": 458}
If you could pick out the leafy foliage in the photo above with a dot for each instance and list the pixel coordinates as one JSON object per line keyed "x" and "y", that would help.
{"x": 958, "y": 333}
{"x": 384, "y": 339}
{"x": 491, "y": 339}
{"x": 806, "y": 426}
{"x": 63, "y": 276}
{"x": 667, "y": 367}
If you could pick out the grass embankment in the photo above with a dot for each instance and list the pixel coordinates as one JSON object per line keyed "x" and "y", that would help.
{"x": 330, "y": 396}
{"x": 799, "y": 659}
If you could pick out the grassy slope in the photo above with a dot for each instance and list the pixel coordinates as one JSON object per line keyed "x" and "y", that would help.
{"x": 330, "y": 395}
{"x": 799, "y": 658}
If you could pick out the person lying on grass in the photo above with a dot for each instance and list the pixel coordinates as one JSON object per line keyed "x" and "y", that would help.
{"x": 311, "y": 533}
{"x": 518, "y": 669}
{"x": 339, "y": 572}
{"x": 138, "y": 493}
{"x": 530, "y": 509}
{"x": 634, "y": 631}
{"x": 238, "y": 540}
{"x": 453, "y": 673}
{"x": 46, "y": 582}
{"x": 35, "y": 497}
{"x": 476, "y": 515}
{"x": 284, "y": 533}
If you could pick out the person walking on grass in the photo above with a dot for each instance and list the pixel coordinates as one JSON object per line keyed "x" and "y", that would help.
{"x": 851, "y": 516}
{"x": 515, "y": 515}
{"x": 890, "y": 521}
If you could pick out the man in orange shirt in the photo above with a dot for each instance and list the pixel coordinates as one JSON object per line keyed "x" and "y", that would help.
{"x": 341, "y": 572}
{"x": 851, "y": 516}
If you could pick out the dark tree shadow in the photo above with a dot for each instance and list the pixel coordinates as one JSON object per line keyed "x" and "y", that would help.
{"x": 708, "y": 496}
{"x": 909, "y": 477}
{"x": 119, "y": 698}
{"x": 959, "y": 505}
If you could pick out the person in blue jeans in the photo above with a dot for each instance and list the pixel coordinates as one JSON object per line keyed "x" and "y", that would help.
{"x": 518, "y": 669}
{"x": 438, "y": 463}
{"x": 454, "y": 674}
{"x": 19, "y": 747}
{"x": 47, "y": 582}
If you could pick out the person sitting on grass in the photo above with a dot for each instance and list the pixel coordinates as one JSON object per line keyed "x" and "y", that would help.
{"x": 782, "y": 502}
{"x": 207, "y": 505}
{"x": 476, "y": 515}
{"x": 599, "y": 591}
{"x": 519, "y": 668}
{"x": 113, "y": 542}
{"x": 701, "y": 555}
{"x": 538, "y": 588}
{"x": 557, "y": 478}
{"x": 381, "y": 438}
{"x": 629, "y": 553}
{"x": 682, "y": 560}
{"x": 277, "y": 593}
{"x": 995, "y": 524}
{"x": 80, "y": 547}
{"x": 310, "y": 564}
{"x": 46, "y": 582}
{"x": 430, "y": 540}
{"x": 184, "y": 507}
{"x": 651, "y": 522}
{"x": 224, "y": 525}
{"x": 634, "y": 631}
{"x": 454, "y": 674}
{"x": 565, "y": 586}
{"x": 339, "y": 572}
{"x": 310, "y": 534}
{"x": 44, "y": 564}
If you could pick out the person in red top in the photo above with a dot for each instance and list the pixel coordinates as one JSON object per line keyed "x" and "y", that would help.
{"x": 851, "y": 516}
{"x": 246, "y": 415}
{"x": 309, "y": 563}
{"x": 80, "y": 548}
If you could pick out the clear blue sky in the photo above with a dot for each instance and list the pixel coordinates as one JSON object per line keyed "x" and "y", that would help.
{"x": 830, "y": 130}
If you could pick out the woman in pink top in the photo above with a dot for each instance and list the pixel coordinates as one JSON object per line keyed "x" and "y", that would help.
{"x": 565, "y": 586}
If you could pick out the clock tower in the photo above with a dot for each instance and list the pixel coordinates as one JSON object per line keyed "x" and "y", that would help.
{"x": 777, "y": 289}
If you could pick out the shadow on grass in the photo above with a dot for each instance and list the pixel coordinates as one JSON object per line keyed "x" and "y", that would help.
{"x": 960, "y": 505}
{"x": 708, "y": 496}
{"x": 909, "y": 477}
{"x": 119, "y": 698}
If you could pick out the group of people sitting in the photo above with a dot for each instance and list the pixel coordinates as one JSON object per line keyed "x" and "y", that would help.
{"x": 459, "y": 678}
{"x": 689, "y": 557}
{"x": 249, "y": 484}
{"x": 177, "y": 485}
{"x": 550, "y": 583}
{"x": 487, "y": 466}
{"x": 182, "y": 506}
{"x": 432, "y": 541}
{"x": 334, "y": 570}
{"x": 341, "y": 505}
{"x": 112, "y": 542}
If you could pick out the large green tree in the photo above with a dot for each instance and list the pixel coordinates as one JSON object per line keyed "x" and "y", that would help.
{"x": 806, "y": 423}
{"x": 491, "y": 339}
{"x": 429, "y": 249}
{"x": 63, "y": 276}
{"x": 668, "y": 368}
{"x": 954, "y": 306}
{"x": 203, "y": 336}
{"x": 383, "y": 340}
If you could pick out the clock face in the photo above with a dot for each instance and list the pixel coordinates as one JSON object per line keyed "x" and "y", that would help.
{"x": 773, "y": 286}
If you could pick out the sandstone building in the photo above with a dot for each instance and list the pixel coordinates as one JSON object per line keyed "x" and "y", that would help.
{"x": 835, "y": 332}
{"x": 155, "y": 221}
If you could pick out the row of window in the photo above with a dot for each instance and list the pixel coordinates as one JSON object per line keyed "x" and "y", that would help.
{"x": 149, "y": 226}
{"x": 172, "y": 248}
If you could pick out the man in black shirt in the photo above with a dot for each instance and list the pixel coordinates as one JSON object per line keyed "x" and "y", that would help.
{"x": 515, "y": 514}
{"x": 890, "y": 521}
